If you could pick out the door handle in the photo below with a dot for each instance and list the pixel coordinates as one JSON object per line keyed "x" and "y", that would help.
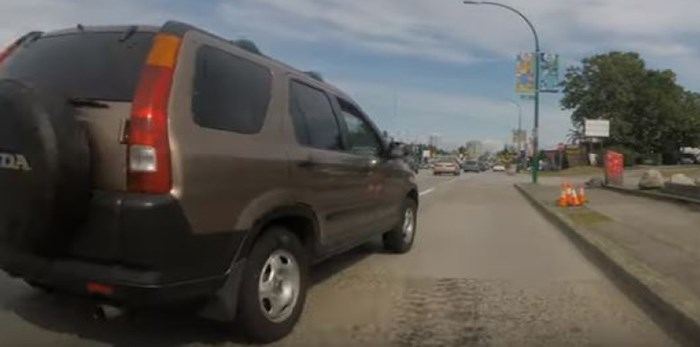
{"x": 307, "y": 164}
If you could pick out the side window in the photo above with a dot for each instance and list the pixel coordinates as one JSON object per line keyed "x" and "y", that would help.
{"x": 312, "y": 115}
{"x": 362, "y": 139}
{"x": 230, "y": 93}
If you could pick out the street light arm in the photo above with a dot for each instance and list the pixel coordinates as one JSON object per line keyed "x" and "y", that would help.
{"x": 520, "y": 14}
{"x": 535, "y": 129}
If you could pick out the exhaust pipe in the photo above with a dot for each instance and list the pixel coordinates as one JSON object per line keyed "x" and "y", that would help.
{"x": 106, "y": 312}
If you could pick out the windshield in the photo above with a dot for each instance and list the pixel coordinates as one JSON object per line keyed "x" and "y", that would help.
{"x": 90, "y": 65}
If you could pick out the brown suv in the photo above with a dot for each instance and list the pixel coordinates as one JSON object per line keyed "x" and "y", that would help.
{"x": 143, "y": 165}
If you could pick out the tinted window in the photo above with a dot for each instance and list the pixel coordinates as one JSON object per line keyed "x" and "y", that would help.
{"x": 230, "y": 93}
{"x": 362, "y": 139}
{"x": 313, "y": 118}
{"x": 83, "y": 65}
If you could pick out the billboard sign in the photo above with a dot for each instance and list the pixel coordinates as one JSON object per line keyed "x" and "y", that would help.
{"x": 549, "y": 73}
{"x": 519, "y": 136}
{"x": 596, "y": 128}
{"x": 525, "y": 74}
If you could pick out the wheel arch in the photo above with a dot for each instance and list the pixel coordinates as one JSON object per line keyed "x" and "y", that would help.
{"x": 299, "y": 219}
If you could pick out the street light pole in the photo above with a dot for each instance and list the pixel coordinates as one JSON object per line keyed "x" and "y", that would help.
{"x": 520, "y": 123}
{"x": 535, "y": 130}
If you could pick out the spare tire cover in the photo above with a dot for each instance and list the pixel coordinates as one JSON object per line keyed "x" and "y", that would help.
{"x": 44, "y": 169}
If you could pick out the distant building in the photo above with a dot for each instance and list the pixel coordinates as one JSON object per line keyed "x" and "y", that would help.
{"x": 434, "y": 141}
{"x": 473, "y": 149}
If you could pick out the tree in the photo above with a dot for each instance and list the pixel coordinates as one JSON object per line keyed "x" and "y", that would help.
{"x": 574, "y": 136}
{"x": 649, "y": 112}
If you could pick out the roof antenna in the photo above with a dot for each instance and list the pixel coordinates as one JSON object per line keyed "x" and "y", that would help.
{"x": 81, "y": 27}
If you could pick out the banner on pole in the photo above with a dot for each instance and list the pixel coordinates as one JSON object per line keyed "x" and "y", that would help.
{"x": 525, "y": 73}
{"x": 549, "y": 73}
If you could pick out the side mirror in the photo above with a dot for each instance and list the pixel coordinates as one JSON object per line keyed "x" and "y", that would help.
{"x": 397, "y": 150}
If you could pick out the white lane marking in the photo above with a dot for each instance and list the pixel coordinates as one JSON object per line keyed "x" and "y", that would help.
{"x": 430, "y": 190}
{"x": 427, "y": 191}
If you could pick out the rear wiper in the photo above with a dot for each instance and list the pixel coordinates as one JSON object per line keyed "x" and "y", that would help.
{"x": 128, "y": 33}
{"x": 84, "y": 102}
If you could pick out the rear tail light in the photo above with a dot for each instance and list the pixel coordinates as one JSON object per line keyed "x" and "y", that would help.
{"x": 9, "y": 50}
{"x": 99, "y": 288}
{"x": 13, "y": 47}
{"x": 149, "y": 168}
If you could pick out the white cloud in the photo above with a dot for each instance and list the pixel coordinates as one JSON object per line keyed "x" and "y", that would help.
{"x": 448, "y": 31}
{"x": 20, "y": 17}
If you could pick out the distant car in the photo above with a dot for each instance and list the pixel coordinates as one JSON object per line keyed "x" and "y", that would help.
{"x": 471, "y": 166}
{"x": 447, "y": 165}
{"x": 688, "y": 159}
{"x": 484, "y": 166}
{"x": 498, "y": 168}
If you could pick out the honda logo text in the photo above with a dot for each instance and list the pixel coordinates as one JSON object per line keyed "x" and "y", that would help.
{"x": 9, "y": 161}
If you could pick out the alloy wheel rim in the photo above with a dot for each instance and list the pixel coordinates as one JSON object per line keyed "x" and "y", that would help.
{"x": 278, "y": 288}
{"x": 408, "y": 225}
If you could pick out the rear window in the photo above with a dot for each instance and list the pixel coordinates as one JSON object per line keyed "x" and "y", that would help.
{"x": 91, "y": 65}
{"x": 230, "y": 93}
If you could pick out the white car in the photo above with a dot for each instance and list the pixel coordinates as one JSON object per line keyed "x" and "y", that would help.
{"x": 498, "y": 168}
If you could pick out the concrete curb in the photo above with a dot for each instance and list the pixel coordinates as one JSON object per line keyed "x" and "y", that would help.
{"x": 652, "y": 194}
{"x": 669, "y": 303}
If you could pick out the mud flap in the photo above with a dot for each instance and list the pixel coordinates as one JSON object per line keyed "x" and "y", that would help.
{"x": 223, "y": 306}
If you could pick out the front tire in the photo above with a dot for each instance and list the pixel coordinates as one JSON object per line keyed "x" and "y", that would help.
{"x": 400, "y": 238}
{"x": 273, "y": 287}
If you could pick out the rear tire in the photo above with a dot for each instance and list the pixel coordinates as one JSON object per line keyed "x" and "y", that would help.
{"x": 400, "y": 238}
{"x": 273, "y": 286}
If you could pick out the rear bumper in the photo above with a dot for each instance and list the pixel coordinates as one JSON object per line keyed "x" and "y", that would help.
{"x": 142, "y": 246}
{"x": 121, "y": 285}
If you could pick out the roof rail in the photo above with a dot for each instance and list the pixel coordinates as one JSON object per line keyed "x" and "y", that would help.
{"x": 315, "y": 75}
{"x": 247, "y": 45}
{"x": 180, "y": 28}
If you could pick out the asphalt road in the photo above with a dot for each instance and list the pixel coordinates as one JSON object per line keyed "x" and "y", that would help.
{"x": 486, "y": 269}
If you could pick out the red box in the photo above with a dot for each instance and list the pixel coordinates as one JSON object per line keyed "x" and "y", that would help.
{"x": 614, "y": 168}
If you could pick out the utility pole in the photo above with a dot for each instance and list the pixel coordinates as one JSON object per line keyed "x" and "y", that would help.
{"x": 535, "y": 129}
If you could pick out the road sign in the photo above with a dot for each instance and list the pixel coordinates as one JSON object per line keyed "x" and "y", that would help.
{"x": 426, "y": 153}
{"x": 596, "y": 128}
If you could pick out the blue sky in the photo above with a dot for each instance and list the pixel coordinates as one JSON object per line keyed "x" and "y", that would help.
{"x": 417, "y": 67}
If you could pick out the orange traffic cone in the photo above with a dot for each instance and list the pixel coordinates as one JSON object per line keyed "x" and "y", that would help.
{"x": 563, "y": 199}
{"x": 569, "y": 195}
{"x": 574, "y": 198}
{"x": 582, "y": 195}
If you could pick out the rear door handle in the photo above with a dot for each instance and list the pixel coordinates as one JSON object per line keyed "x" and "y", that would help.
{"x": 307, "y": 164}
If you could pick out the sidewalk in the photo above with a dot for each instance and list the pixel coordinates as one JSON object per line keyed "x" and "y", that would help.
{"x": 653, "y": 246}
